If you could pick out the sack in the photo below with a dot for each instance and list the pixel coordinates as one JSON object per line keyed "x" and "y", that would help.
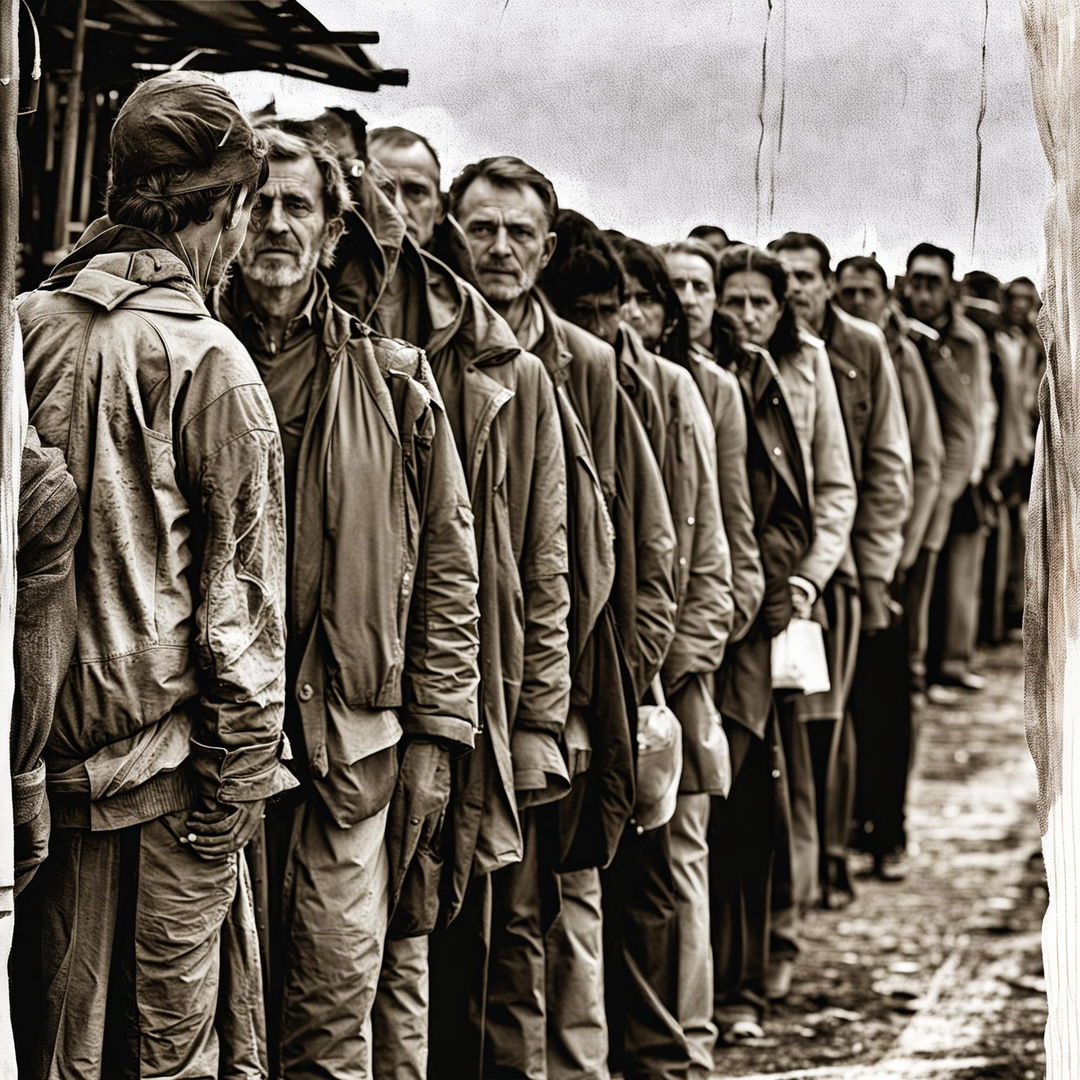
{"x": 706, "y": 755}
{"x": 798, "y": 658}
{"x": 659, "y": 763}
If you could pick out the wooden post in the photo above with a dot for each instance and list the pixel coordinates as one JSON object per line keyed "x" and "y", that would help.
{"x": 93, "y": 107}
{"x": 70, "y": 143}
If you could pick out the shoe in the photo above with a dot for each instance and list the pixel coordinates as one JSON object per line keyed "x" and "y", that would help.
{"x": 778, "y": 978}
{"x": 740, "y": 1031}
{"x": 966, "y": 680}
{"x": 942, "y": 695}
{"x": 891, "y": 868}
{"x": 837, "y": 892}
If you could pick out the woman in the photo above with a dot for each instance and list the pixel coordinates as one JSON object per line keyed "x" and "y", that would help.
{"x": 752, "y": 288}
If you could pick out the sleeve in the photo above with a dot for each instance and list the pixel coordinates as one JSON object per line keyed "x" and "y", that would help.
{"x": 544, "y": 568}
{"x": 834, "y": 496}
{"x": 958, "y": 436}
{"x": 232, "y": 453}
{"x": 927, "y": 451}
{"x": 707, "y": 610}
{"x": 885, "y": 492}
{"x": 441, "y": 673}
{"x": 986, "y": 407}
{"x": 748, "y": 583}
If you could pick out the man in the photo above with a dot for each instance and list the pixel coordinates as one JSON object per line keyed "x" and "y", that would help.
{"x": 892, "y": 664}
{"x": 712, "y": 236}
{"x": 878, "y": 442}
{"x": 382, "y": 613}
{"x": 691, "y": 265}
{"x": 506, "y": 208}
{"x": 956, "y": 357}
{"x": 412, "y": 162}
{"x": 585, "y": 280}
{"x": 167, "y": 733}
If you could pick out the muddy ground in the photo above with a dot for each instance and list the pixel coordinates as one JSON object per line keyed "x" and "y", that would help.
{"x": 940, "y": 976}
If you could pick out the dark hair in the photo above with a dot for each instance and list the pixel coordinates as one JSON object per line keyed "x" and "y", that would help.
{"x": 745, "y": 259}
{"x": 644, "y": 262}
{"x": 1021, "y": 283}
{"x": 142, "y": 203}
{"x": 982, "y": 284}
{"x": 701, "y": 232}
{"x": 798, "y": 241}
{"x": 399, "y": 138}
{"x": 505, "y": 171}
{"x": 935, "y": 252}
{"x": 584, "y": 262}
{"x": 338, "y": 122}
{"x": 863, "y": 264}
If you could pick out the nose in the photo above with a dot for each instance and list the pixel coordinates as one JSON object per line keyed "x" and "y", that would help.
{"x": 275, "y": 219}
{"x": 399, "y": 202}
{"x": 500, "y": 246}
{"x": 686, "y": 294}
{"x": 631, "y": 309}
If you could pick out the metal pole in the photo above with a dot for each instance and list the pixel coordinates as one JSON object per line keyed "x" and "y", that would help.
{"x": 69, "y": 147}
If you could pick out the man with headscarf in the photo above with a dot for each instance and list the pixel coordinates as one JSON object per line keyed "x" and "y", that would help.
{"x": 167, "y": 733}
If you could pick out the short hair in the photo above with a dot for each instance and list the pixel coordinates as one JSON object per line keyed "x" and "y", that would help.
{"x": 863, "y": 264}
{"x": 691, "y": 246}
{"x": 982, "y": 284}
{"x": 644, "y": 262}
{"x": 745, "y": 259}
{"x": 505, "y": 171}
{"x": 934, "y": 252}
{"x": 399, "y": 138}
{"x": 1021, "y": 283}
{"x": 584, "y": 262}
{"x": 337, "y": 122}
{"x": 701, "y": 232}
{"x": 797, "y": 241}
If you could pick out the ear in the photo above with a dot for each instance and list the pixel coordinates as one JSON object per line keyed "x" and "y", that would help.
{"x": 830, "y": 285}
{"x": 550, "y": 242}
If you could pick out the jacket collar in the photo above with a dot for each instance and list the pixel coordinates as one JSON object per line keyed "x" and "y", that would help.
{"x": 553, "y": 347}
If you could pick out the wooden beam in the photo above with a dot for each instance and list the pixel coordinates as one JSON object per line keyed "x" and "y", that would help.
{"x": 69, "y": 144}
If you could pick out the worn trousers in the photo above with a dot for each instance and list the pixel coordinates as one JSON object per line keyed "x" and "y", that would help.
{"x": 690, "y": 870}
{"x": 399, "y": 1017}
{"x": 118, "y": 953}
{"x": 744, "y": 832}
{"x": 577, "y": 1047}
{"x": 326, "y": 938}
{"x": 918, "y": 591}
{"x": 957, "y": 603}
{"x": 641, "y": 959}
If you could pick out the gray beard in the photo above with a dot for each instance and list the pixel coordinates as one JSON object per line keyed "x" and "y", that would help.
{"x": 277, "y": 276}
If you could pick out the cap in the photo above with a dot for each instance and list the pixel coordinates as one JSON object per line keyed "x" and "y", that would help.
{"x": 186, "y": 121}
{"x": 659, "y": 766}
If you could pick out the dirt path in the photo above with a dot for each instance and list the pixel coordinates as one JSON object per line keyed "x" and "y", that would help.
{"x": 938, "y": 977}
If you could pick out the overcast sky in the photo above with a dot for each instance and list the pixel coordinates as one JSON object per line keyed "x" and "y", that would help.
{"x": 646, "y": 115}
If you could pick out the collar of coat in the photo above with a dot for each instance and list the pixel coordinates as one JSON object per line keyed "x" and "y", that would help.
{"x": 553, "y": 348}
{"x": 847, "y": 337}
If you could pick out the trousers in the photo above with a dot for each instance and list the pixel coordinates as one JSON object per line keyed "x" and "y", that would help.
{"x": 399, "y": 1018}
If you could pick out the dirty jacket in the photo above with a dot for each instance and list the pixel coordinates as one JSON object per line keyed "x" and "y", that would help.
{"x": 810, "y": 391}
{"x": 687, "y": 450}
{"x": 502, "y": 410}
{"x": 878, "y": 441}
{"x": 924, "y": 437}
{"x": 172, "y": 443}
{"x": 49, "y": 523}
{"x": 783, "y": 524}
{"x": 952, "y": 364}
{"x": 382, "y": 528}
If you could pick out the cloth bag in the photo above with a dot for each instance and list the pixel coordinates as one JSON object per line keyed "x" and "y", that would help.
{"x": 798, "y": 658}
{"x": 659, "y": 762}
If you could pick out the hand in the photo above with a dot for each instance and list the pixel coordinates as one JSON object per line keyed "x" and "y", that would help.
{"x": 802, "y": 600}
{"x": 223, "y": 828}
{"x": 876, "y": 610}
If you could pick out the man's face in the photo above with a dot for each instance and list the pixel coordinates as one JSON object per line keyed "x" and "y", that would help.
{"x": 692, "y": 278}
{"x": 598, "y": 313}
{"x": 860, "y": 293}
{"x": 1020, "y": 302}
{"x": 419, "y": 200}
{"x": 288, "y": 230}
{"x": 928, "y": 287}
{"x": 506, "y": 228}
{"x": 808, "y": 287}
{"x": 717, "y": 241}
{"x": 747, "y": 296}
{"x": 644, "y": 312}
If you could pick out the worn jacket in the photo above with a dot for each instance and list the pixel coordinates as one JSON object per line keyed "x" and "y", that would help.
{"x": 877, "y": 436}
{"x": 687, "y": 460}
{"x": 951, "y": 358}
{"x": 49, "y": 523}
{"x": 504, "y": 416}
{"x": 723, "y": 399}
{"x": 171, "y": 440}
{"x": 924, "y": 437}
{"x": 383, "y": 577}
{"x": 783, "y": 523}
{"x": 810, "y": 391}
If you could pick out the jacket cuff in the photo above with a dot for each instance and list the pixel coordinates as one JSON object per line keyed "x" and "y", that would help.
{"x": 458, "y": 735}
{"x": 540, "y": 774}
{"x": 27, "y": 794}
{"x": 244, "y": 775}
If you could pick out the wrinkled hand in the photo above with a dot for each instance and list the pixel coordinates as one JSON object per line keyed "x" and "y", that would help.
{"x": 802, "y": 603}
{"x": 223, "y": 828}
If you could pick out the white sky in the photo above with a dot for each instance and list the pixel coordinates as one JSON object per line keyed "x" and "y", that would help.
{"x": 645, "y": 114}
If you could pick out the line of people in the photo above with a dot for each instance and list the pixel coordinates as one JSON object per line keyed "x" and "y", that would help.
{"x": 421, "y": 719}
